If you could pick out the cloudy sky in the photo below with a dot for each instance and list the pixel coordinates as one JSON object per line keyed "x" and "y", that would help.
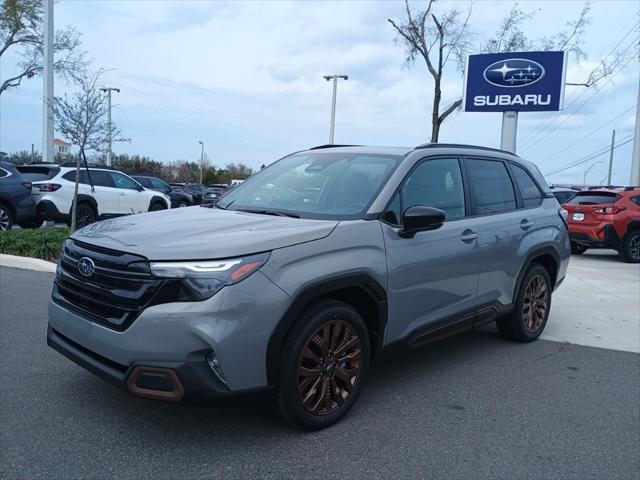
{"x": 246, "y": 78}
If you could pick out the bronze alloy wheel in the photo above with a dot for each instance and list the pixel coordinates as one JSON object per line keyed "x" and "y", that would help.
{"x": 536, "y": 302}
{"x": 329, "y": 367}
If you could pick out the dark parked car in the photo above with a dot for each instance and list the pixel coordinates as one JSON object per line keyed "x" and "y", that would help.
{"x": 213, "y": 193}
{"x": 179, "y": 199}
{"x": 16, "y": 204}
{"x": 194, "y": 189}
{"x": 563, "y": 195}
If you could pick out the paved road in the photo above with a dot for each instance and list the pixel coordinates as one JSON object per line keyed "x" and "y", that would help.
{"x": 474, "y": 406}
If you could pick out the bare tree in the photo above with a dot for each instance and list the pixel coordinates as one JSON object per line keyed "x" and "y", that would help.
{"x": 21, "y": 32}
{"x": 435, "y": 38}
{"x": 81, "y": 118}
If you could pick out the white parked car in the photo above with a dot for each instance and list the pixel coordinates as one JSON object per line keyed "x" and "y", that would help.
{"x": 102, "y": 193}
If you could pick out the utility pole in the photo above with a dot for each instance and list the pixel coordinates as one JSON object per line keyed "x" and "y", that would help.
{"x": 613, "y": 140}
{"x": 47, "y": 90}
{"x": 635, "y": 154}
{"x": 108, "y": 90}
{"x": 201, "y": 159}
{"x": 335, "y": 78}
{"x": 509, "y": 131}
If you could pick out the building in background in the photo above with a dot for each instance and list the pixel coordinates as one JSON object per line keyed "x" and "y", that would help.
{"x": 61, "y": 148}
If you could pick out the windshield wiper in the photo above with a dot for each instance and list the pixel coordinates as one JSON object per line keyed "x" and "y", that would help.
{"x": 269, "y": 212}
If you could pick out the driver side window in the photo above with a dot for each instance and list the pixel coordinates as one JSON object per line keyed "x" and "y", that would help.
{"x": 434, "y": 183}
{"x": 123, "y": 182}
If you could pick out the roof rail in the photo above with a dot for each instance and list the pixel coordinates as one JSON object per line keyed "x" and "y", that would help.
{"x": 90, "y": 165}
{"x": 332, "y": 145}
{"x": 461, "y": 145}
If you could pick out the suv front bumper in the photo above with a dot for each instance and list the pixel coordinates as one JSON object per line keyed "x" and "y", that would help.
{"x": 163, "y": 354}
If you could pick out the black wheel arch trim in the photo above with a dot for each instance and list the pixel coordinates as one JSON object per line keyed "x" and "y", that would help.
{"x": 540, "y": 252}
{"x": 324, "y": 288}
{"x": 83, "y": 198}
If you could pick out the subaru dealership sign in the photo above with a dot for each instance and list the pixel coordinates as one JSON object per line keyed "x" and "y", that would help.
{"x": 515, "y": 81}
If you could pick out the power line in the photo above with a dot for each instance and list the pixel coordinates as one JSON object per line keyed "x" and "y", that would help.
{"x": 597, "y": 154}
{"x": 547, "y": 122}
{"x": 566, "y": 119}
{"x": 588, "y": 134}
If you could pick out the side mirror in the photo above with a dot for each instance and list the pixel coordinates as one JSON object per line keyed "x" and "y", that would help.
{"x": 418, "y": 219}
{"x": 140, "y": 188}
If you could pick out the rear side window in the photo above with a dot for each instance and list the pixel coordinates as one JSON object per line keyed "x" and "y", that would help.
{"x": 531, "y": 195}
{"x": 491, "y": 185}
{"x": 594, "y": 198}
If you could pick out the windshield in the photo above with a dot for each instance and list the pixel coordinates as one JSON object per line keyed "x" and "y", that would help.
{"x": 315, "y": 185}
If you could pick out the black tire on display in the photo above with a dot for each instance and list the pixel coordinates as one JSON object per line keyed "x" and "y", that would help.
{"x": 532, "y": 307}
{"x": 85, "y": 215}
{"x": 6, "y": 218}
{"x": 578, "y": 248}
{"x": 323, "y": 364}
{"x": 630, "y": 249}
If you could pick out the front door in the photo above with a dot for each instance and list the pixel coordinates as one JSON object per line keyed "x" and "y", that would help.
{"x": 130, "y": 198}
{"x": 432, "y": 277}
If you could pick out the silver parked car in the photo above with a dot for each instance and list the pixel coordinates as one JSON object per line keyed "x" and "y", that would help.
{"x": 277, "y": 287}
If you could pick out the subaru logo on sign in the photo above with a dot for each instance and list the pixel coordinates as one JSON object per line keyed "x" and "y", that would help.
{"x": 86, "y": 266}
{"x": 514, "y": 72}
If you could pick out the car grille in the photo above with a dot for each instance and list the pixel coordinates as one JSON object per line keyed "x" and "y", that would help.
{"x": 120, "y": 287}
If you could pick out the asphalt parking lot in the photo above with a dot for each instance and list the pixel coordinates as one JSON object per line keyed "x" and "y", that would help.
{"x": 473, "y": 406}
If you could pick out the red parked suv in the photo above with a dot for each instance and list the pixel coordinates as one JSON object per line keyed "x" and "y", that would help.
{"x": 606, "y": 218}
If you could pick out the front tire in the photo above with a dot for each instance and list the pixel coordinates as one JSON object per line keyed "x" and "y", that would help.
{"x": 532, "y": 307}
{"x": 630, "y": 249}
{"x": 157, "y": 206}
{"x": 6, "y": 218}
{"x": 323, "y": 365}
{"x": 183, "y": 203}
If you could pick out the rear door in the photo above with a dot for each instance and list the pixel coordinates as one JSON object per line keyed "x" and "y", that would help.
{"x": 502, "y": 225}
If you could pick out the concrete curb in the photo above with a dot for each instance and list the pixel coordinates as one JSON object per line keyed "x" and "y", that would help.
{"x": 26, "y": 263}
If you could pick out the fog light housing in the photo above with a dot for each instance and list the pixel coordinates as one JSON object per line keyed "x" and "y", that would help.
{"x": 214, "y": 364}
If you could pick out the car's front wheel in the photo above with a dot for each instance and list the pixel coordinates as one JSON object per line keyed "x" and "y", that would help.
{"x": 323, "y": 364}
{"x": 532, "y": 307}
{"x": 630, "y": 249}
{"x": 157, "y": 206}
{"x": 183, "y": 203}
{"x": 6, "y": 218}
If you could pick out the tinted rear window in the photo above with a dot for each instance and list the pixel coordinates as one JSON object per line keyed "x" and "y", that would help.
{"x": 594, "y": 198}
{"x": 37, "y": 174}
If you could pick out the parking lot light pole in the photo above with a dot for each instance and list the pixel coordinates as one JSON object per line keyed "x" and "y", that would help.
{"x": 335, "y": 78}
{"x": 108, "y": 91}
{"x": 201, "y": 159}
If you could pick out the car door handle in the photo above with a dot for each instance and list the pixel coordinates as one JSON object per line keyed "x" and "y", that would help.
{"x": 468, "y": 236}
{"x": 526, "y": 224}
{"x": 122, "y": 194}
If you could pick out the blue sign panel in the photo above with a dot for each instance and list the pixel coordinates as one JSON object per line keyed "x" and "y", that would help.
{"x": 517, "y": 81}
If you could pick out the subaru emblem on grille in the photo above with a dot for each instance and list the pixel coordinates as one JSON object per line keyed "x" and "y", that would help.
{"x": 86, "y": 266}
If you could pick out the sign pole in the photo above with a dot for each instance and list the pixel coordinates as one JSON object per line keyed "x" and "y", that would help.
{"x": 509, "y": 131}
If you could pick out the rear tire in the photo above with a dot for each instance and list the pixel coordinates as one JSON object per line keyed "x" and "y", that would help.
{"x": 578, "y": 249}
{"x": 323, "y": 365}
{"x": 630, "y": 249}
{"x": 85, "y": 215}
{"x": 532, "y": 307}
{"x": 6, "y": 218}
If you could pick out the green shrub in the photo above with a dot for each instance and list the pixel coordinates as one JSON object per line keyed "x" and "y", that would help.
{"x": 44, "y": 243}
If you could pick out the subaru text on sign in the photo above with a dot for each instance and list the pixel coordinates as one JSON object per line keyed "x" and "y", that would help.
{"x": 515, "y": 81}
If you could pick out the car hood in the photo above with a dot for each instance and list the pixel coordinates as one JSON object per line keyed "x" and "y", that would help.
{"x": 196, "y": 233}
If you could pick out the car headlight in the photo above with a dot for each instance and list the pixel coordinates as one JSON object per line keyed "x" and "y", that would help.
{"x": 201, "y": 279}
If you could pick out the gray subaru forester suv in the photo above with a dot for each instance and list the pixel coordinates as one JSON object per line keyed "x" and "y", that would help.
{"x": 309, "y": 271}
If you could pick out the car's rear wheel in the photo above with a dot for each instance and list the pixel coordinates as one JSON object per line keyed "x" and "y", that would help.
{"x": 532, "y": 307}
{"x": 85, "y": 215}
{"x": 630, "y": 249}
{"x": 578, "y": 248}
{"x": 323, "y": 365}
{"x": 6, "y": 218}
